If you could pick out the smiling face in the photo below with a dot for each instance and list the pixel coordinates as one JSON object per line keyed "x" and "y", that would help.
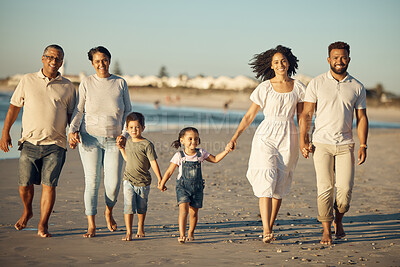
{"x": 190, "y": 141}
{"x": 101, "y": 64}
{"x": 135, "y": 130}
{"x": 52, "y": 61}
{"x": 280, "y": 64}
{"x": 339, "y": 61}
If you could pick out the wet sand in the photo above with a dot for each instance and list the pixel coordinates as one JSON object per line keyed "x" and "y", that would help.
{"x": 229, "y": 228}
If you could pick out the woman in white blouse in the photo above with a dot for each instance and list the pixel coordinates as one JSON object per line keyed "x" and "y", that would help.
{"x": 98, "y": 119}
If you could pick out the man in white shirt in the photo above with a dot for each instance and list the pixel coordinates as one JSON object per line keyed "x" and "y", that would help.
{"x": 334, "y": 96}
{"x": 48, "y": 100}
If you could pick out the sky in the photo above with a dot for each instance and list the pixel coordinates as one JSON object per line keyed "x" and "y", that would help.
{"x": 208, "y": 37}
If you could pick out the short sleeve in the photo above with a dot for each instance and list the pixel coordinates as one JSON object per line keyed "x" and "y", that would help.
{"x": 259, "y": 94}
{"x": 18, "y": 97}
{"x": 361, "y": 102}
{"x": 204, "y": 155}
{"x": 151, "y": 152}
{"x": 311, "y": 94}
{"x": 176, "y": 159}
{"x": 301, "y": 91}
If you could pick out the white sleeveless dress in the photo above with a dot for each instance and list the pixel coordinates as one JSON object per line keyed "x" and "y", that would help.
{"x": 275, "y": 149}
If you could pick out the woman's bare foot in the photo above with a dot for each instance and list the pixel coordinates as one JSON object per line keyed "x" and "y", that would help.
{"x": 339, "y": 231}
{"x": 43, "y": 231}
{"x": 111, "y": 224}
{"x": 23, "y": 221}
{"x": 128, "y": 237}
{"x": 190, "y": 238}
{"x": 91, "y": 232}
{"x": 268, "y": 238}
{"x": 140, "y": 234}
{"x": 181, "y": 239}
{"x": 326, "y": 239}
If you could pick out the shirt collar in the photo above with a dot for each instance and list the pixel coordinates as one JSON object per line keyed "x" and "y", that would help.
{"x": 42, "y": 76}
{"x": 346, "y": 79}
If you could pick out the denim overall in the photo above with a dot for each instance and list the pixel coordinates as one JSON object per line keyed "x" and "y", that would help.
{"x": 189, "y": 188}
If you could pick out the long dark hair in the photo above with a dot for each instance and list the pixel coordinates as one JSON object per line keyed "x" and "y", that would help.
{"x": 261, "y": 63}
{"x": 177, "y": 143}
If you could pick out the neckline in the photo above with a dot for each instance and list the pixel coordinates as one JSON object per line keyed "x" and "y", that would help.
{"x": 294, "y": 82}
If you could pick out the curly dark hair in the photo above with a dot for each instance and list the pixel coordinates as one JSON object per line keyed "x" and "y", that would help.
{"x": 177, "y": 143}
{"x": 339, "y": 45}
{"x": 261, "y": 63}
{"x": 100, "y": 49}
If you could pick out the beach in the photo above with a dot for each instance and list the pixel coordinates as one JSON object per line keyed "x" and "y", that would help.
{"x": 229, "y": 228}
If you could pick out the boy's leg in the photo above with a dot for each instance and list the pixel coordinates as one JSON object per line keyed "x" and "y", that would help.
{"x": 128, "y": 223}
{"x": 193, "y": 218}
{"x": 140, "y": 230}
{"x": 183, "y": 213}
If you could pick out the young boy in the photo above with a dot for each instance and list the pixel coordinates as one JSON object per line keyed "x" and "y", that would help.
{"x": 139, "y": 155}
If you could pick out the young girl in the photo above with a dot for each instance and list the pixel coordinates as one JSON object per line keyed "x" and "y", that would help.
{"x": 189, "y": 183}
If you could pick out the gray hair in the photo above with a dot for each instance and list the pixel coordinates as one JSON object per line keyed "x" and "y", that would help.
{"x": 54, "y": 46}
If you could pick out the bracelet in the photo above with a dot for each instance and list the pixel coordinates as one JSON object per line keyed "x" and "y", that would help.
{"x": 364, "y": 145}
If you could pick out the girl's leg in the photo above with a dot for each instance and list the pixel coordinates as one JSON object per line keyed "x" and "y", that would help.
{"x": 128, "y": 223}
{"x": 265, "y": 204}
{"x": 92, "y": 158}
{"x": 193, "y": 218}
{"x": 140, "y": 229}
{"x": 91, "y": 232}
{"x": 183, "y": 213}
{"x": 276, "y": 205}
{"x": 112, "y": 179}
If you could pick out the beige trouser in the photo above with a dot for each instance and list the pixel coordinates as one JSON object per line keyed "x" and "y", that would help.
{"x": 330, "y": 162}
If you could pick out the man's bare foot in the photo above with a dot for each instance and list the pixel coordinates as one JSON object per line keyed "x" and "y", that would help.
{"x": 43, "y": 232}
{"x": 181, "y": 239}
{"x": 111, "y": 224}
{"x": 326, "y": 239}
{"x": 128, "y": 237}
{"x": 140, "y": 235}
{"x": 339, "y": 231}
{"x": 23, "y": 221}
{"x": 91, "y": 232}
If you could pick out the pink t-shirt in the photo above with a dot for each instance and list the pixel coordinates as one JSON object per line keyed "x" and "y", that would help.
{"x": 177, "y": 159}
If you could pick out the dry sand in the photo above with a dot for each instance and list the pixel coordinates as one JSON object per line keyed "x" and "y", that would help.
{"x": 229, "y": 225}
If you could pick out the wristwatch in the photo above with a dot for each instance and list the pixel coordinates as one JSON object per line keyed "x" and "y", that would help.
{"x": 364, "y": 145}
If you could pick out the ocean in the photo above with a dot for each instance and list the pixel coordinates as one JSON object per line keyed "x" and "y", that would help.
{"x": 163, "y": 118}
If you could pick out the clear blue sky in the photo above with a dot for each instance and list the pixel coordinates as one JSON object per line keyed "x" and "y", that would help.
{"x": 203, "y": 37}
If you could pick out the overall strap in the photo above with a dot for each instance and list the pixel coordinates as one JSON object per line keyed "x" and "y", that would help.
{"x": 198, "y": 152}
{"x": 182, "y": 154}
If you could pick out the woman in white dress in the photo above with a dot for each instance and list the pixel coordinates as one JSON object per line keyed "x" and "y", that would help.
{"x": 274, "y": 151}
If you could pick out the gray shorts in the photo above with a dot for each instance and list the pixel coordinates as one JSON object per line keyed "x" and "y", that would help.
{"x": 40, "y": 164}
{"x": 135, "y": 198}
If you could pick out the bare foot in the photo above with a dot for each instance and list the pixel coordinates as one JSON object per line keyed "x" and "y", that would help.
{"x": 23, "y": 221}
{"x": 111, "y": 224}
{"x": 91, "y": 232}
{"x": 140, "y": 235}
{"x": 181, "y": 239}
{"x": 339, "y": 231}
{"x": 326, "y": 239}
{"x": 268, "y": 238}
{"x": 128, "y": 237}
{"x": 190, "y": 238}
{"x": 43, "y": 232}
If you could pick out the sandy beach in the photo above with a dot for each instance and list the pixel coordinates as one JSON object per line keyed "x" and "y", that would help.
{"x": 229, "y": 228}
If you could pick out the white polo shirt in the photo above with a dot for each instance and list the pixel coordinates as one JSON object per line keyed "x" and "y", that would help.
{"x": 335, "y": 105}
{"x": 46, "y": 104}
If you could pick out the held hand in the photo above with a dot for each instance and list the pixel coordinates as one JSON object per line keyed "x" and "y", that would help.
{"x": 73, "y": 139}
{"x": 229, "y": 147}
{"x": 5, "y": 142}
{"x": 305, "y": 148}
{"x": 121, "y": 141}
{"x": 162, "y": 188}
{"x": 232, "y": 145}
{"x": 362, "y": 155}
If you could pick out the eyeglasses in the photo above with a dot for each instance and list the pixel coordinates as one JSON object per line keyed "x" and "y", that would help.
{"x": 51, "y": 58}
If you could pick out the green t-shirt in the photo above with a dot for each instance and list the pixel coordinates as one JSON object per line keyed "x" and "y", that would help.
{"x": 139, "y": 155}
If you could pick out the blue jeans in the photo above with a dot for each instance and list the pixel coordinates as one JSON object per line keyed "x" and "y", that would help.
{"x": 97, "y": 152}
{"x": 135, "y": 198}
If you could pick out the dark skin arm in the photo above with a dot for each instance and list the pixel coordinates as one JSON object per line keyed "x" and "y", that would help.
{"x": 362, "y": 131}
{"x": 12, "y": 114}
{"x": 305, "y": 120}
